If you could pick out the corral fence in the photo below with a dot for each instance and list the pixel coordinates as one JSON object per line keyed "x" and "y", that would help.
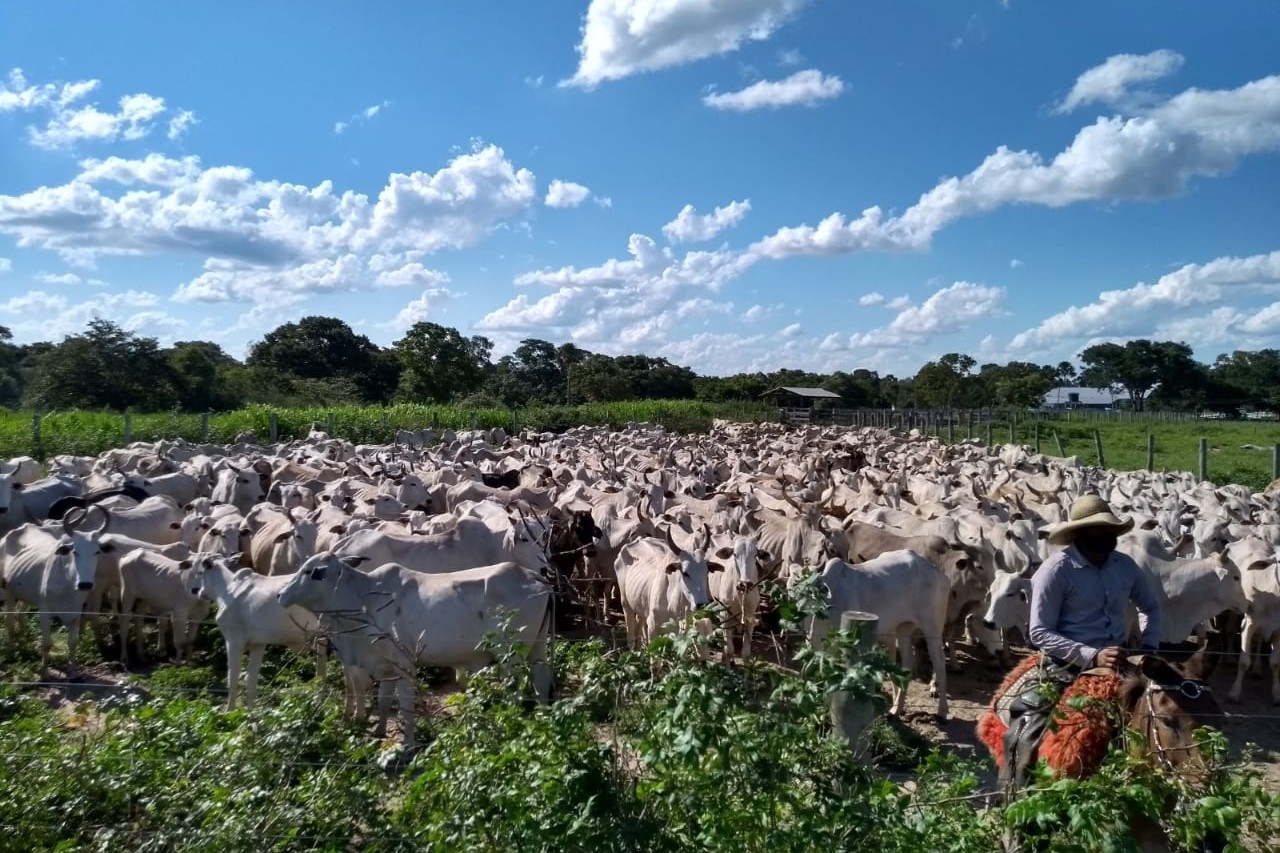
{"x": 1150, "y": 441}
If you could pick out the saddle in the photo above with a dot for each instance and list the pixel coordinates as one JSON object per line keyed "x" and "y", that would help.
{"x": 1022, "y": 724}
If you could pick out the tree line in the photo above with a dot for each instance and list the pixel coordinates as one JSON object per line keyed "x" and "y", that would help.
{"x": 320, "y": 361}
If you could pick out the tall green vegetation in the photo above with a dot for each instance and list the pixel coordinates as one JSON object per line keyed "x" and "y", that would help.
{"x": 321, "y": 361}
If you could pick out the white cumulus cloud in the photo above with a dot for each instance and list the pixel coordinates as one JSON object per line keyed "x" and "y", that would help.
{"x": 5, "y": 265}
{"x": 873, "y": 298}
{"x": 360, "y": 117}
{"x": 948, "y": 310}
{"x": 691, "y": 227}
{"x": 804, "y": 88}
{"x": 565, "y": 194}
{"x": 625, "y": 37}
{"x": 1111, "y": 82}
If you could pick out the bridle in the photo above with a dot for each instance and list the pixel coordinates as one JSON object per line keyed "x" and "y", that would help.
{"x": 1188, "y": 688}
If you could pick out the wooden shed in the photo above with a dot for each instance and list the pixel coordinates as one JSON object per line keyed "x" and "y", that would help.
{"x": 791, "y": 397}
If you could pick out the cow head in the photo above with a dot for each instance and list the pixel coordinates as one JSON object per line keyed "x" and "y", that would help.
{"x": 7, "y": 474}
{"x": 1009, "y": 604}
{"x": 691, "y": 568}
{"x": 82, "y": 547}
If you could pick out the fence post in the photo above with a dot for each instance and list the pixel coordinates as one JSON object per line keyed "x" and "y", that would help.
{"x": 435, "y": 420}
{"x": 969, "y": 432}
{"x": 35, "y": 437}
{"x": 951, "y": 427}
{"x": 1151, "y": 451}
{"x": 275, "y": 428}
{"x": 328, "y": 423}
{"x": 1058, "y": 442}
{"x": 1013, "y": 426}
{"x": 1036, "y": 431}
{"x": 989, "y": 440}
{"x": 850, "y": 717}
{"x": 204, "y": 427}
{"x": 1097, "y": 443}
{"x": 473, "y": 420}
{"x": 1275, "y": 461}
{"x": 1204, "y": 459}
{"x": 128, "y": 428}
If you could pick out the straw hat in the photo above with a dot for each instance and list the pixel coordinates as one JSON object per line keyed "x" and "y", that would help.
{"x": 1089, "y": 511}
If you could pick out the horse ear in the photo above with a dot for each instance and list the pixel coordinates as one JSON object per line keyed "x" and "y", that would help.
{"x": 1201, "y": 665}
{"x": 1158, "y": 670}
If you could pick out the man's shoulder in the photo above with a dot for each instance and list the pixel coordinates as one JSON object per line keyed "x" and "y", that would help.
{"x": 1052, "y": 567}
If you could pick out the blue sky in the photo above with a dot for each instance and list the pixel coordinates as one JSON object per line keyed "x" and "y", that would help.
{"x": 733, "y": 184}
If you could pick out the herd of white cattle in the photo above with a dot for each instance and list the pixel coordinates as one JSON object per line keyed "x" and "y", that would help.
{"x": 409, "y": 554}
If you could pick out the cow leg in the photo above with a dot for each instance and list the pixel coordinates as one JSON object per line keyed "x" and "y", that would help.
{"x": 251, "y": 677}
{"x": 907, "y": 659}
{"x": 73, "y": 639}
{"x": 539, "y": 672}
{"x": 178, "y": 623}
{"x": 235, "y": 651}
{"x": 126, "y": 616}
{"x": 632, "y": 621}
{"x": 404, "y": 697}
{"x": 748, "y": 631}
{"x": 1248, "y": 635}
{"x": 46, "y": 638}
{"x": 939, "y": 685}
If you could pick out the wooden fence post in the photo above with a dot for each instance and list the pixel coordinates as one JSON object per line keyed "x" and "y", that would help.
{"x": 1097, "y": 443}
{"x": 989, "y": 439}
{"x": 1058, "y": 442}
{"x": 1036, "y": 431}
{"x": 435, "y": 420}
{"x": 128, "y": 428}
{"x": 473, "y": 420}
{"x": 850, "y": 717}
{"x": 275, "y": 427}
{"x": 328, "y": 424}
{"x": 969, "y": 433}
{"x": 1013, "y": 425}
{"x": 1151, "y": 452}
{"x": 204, "y": 427}
{"x": 1275, "y": 461}
{"x": 1204, "y": 459}
{"x": 951, "y": 427}
{"x": 36, "y": 450}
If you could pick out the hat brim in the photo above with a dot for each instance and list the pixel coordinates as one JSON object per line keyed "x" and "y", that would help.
{"x": 1063, "y": 533}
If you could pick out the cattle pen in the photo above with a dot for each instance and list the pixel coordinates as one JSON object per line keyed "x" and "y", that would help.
{"x": 686, "y": 743}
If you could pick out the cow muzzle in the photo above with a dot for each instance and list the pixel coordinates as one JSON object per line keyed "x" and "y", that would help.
{"x": 83, "y": 585}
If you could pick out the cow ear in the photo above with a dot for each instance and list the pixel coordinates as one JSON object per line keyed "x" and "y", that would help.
{"x": 1042, "y": 533}
{"x": 106, "y": 547}
{"x": 185, "y": 564}
{"x": 355, "y": 560}
{"x": 175, "y": 525}
{"x": 1009, "y": 534}
{"x": 17, "y": 487}
{"x": 724, "y": 553}
{"x": 762, "y": 554}
{"x": 288, "y": 534}
{"x": 672, "y": 567}
{"x": 715, "y": 567}
{"x": 63, "y": 550}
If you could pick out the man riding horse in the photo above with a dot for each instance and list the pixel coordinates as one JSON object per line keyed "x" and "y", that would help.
{"x": 1079, "y": 599}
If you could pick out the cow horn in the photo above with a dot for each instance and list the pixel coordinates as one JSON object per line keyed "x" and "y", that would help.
{"x": 671, "y": 543}
{"x": 71, "y": 519}
{"x": 106, "y": 518}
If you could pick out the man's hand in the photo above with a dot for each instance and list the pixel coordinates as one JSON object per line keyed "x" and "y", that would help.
{"x": 1109, "y": 657}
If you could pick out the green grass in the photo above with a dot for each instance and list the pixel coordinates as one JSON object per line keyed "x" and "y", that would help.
{"x": 1124, "y": 444}
{"x": 88, "y": 433}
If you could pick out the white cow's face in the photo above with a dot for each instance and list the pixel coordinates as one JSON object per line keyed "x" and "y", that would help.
{"x": 82, "y": 550}
{"x": 1010, "y": 603}
{"x": 1020, "y": 546}
{"x": 6, "y": 490}
{"x": 690, "y": 570}
{"x": 745, "y": 555}
{"x": 527, "y": 544}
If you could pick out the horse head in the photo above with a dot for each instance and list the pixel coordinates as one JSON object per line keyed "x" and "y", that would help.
{"x": 1165, "y": 703}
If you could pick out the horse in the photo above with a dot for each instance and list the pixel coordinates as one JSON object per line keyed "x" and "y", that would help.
{"x": 1161, "y": 702}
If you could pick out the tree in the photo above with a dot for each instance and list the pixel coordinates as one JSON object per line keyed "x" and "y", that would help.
{"x": 650, "y": 378}
{"x": 1246, "y": 378}
{"x": 597, "y": 379}
{"x": 943, "y": 382}
{"x": 1064, "y": 374}
{"x": 200, "y": 370}
{"x": 1018, "y": 384}
{"x": 105, "y": 367}
{"x": 439, "y": 364}
{"x": 1137, "y": 367}
{"x": 324, "y": 348}
{"x": 11, "y": 380}
{"x": 532, "y": 372}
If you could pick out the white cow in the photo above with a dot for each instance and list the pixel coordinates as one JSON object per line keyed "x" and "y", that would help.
{"x": 433, "y": 620}
{"x": 1008, "y": 607}
{"x": 250, "y": 617}
{"x": 469, "y": 543}
{"x": 738, "y": 587}
{"x": 242, "y": 488}
{"x": 1261, "y": 625}
{"x": 163, "y": 586}
{"x": 53, "y": 573}
{"x": 659, "y": 582}
{"x": 907, "y": 593}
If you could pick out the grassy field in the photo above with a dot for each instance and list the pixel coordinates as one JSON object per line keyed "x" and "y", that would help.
{"x": 1238, "y": 451}
{"x": 78, "y": 432}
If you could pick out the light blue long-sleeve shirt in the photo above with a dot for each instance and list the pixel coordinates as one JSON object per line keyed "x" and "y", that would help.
{"x": 1078, "y": 608}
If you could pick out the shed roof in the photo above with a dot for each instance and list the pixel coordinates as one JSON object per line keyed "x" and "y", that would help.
{"x": 804, "y": 392}
{"x": 1084, "y": 396}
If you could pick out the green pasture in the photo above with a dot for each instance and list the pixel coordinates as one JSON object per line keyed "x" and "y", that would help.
{"x": 1237, "y": 451}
